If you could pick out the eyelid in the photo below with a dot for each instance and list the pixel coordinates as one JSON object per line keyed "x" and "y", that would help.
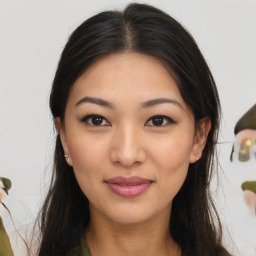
{"x": 169, "y": 120}
{"x": 86, "y": 118}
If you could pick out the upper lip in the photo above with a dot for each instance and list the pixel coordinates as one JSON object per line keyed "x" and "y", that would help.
{"x": 128, "y": 180}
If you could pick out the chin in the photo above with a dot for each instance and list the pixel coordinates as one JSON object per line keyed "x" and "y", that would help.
{"x": 132, "y": 214}
{"x": 129, "y": 219}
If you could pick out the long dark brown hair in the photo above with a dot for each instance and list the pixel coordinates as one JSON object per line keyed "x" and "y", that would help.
{"x": 140, "y": 28}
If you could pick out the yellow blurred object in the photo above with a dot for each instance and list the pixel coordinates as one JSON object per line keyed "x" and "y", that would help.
{"x": 244, "y": 152}
{"x": 248, "y": 143}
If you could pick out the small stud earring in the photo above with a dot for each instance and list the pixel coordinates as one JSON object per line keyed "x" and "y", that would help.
{"x": 67, "y": 158}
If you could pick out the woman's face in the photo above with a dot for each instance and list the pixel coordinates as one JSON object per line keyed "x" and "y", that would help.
{"x": 130, "y": 137}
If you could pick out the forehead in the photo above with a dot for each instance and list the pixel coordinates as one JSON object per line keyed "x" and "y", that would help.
{"x": 126, "y": 76}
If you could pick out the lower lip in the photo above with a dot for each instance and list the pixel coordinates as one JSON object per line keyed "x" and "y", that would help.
{"x": 128, "y": 190}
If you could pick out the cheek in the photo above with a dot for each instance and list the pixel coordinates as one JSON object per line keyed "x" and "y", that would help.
{"x": 172, "y": 151}
{"x": 87, "y": 161}
{"x": 87, "y": 153}
{"x": 175, "y": 163}
{"x": 172, "y": 161}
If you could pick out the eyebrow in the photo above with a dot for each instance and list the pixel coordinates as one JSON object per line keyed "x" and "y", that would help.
{"x": 154, "y": 102}
{"x": 97, "y": 101}
{"x": 146, "y": 104}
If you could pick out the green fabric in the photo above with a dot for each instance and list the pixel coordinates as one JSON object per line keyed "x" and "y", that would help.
{"x": 85, "y": 248}
{"x": 5, "y": 245}
{"x": 80, "y": 250}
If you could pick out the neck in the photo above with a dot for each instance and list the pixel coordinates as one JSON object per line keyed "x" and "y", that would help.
{"x": 151, "y": 237}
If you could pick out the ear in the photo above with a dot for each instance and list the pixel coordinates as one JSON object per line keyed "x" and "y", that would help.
{"x": 62, "y": 134}
{"x": 200, "y": 139}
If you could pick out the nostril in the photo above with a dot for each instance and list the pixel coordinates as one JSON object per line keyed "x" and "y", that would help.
{"x": 129, "y": 159}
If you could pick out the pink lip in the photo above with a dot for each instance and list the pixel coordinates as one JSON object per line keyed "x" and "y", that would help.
{"x": 128, "y": 187}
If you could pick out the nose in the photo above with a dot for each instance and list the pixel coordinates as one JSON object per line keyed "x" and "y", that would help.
{"x": 127, "y": 147}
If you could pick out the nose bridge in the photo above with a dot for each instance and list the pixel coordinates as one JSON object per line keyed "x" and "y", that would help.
{"x": 127, "y": 146}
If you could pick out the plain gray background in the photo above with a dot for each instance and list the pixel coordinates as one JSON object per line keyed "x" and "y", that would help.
{"x": 32, "y": 36}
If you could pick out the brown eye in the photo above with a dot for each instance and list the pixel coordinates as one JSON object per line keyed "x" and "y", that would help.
{"x": 95, "y": 120}
{"x": 160, "y": 121}
{"x": 157, "y": 121}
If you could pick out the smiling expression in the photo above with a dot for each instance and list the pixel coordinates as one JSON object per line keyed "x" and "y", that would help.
{"x": 130, "y": 137}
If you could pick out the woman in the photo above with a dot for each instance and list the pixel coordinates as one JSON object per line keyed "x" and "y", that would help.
{"x": 137, "y": 114}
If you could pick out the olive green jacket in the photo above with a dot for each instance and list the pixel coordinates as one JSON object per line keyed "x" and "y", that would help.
{"x": 80, "y": 250}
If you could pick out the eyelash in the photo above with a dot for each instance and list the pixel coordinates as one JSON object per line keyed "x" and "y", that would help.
{"x": 169, "y": 120}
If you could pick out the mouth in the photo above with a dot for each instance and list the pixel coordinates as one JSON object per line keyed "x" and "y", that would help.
{"x": 128, "y": 187}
